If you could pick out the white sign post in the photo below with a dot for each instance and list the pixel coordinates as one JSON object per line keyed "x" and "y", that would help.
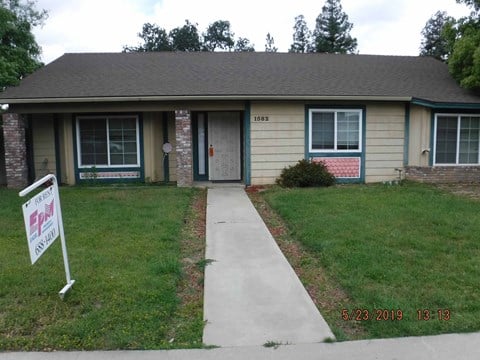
{"x": 43, "y": 223}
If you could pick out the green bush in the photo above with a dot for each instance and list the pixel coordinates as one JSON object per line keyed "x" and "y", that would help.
{"x": 306, "y": 173}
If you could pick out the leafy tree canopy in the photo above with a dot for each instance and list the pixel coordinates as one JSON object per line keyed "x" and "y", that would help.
{"x": 270, "y": 44}
{"x": 332, "y": 31}
{"x": 302, "y": 36}
{"x": 244, "y": 45}
{"x": 218, "y": 36}
{"x": 19, "y": 52}
{"x": 186, "y": 38}
{"x": 437, "y": 36}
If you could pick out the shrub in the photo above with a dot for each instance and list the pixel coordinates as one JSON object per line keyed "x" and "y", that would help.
{"x": 306, "y": 173}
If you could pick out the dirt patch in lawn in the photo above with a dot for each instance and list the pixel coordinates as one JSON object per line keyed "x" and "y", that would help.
{"x": 190, "y": 288}
{"x": 323, "y": 290}
{"x": 471, "y": 191}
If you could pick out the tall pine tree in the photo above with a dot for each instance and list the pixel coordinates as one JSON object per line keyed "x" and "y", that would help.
{"x": 332, "y": 31}
{"x": 302, "y": 36}
{"x": 436, "y": 42}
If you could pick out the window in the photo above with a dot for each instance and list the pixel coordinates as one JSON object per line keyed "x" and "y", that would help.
{"x": 457, "y": 139}
{"x": 335, "y": 130}
{"x": 108, "y": 141}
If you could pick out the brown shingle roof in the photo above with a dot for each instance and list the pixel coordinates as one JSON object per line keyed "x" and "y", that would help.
{"x": 252, "y": 75}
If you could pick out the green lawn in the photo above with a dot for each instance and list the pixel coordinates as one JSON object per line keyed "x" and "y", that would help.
{"x": 408, "y": 248}
{"x": 125, "y": 254}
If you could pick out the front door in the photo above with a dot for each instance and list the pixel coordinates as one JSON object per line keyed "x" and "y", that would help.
{"x": 224, "y": 153}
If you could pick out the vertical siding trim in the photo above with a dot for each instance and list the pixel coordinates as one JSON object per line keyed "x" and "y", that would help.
{"x": 248, "y": 148}
{"x": 30, "y": 149}
{"x": 407, "y": 135}
{"x": 433, "y": 128}
{"x": 56, "y": 136}
{"x": 166, "y": 157}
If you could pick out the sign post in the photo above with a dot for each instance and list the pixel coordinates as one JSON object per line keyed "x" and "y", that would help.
{"x": 43, "y": 223}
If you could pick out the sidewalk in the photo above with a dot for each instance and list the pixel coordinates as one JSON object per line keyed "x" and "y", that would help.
{"x": 442, "y": 347}
{"x": 252, "y": 295}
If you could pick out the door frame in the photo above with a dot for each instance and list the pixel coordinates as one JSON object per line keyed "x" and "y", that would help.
{"x": 195, "y": 152}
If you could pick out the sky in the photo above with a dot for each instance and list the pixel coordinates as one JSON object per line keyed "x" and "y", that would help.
{"x": 382, "y": 27}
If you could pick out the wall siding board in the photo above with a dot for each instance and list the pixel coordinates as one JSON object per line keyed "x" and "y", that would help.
{"x": 276, "y": 143}
{"x": 43, "y": 137}
{"x": 419, "y": 136}
{"x": 385, "y": 139}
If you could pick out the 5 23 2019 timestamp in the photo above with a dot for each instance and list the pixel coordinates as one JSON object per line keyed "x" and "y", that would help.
{"x": 376, "y": 315}
{"x": 394, "y": 315}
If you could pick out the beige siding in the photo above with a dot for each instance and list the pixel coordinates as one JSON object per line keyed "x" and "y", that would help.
{"x": 152, "y": 145}
{"x": 385, "y": 139}
{"x": 67, "y": 152}
{"x": 44, "y": 160}
{"x": 276, "y": 143}
{"x": 419, "y": 136}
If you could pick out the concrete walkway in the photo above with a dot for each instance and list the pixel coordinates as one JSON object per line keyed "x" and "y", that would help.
{"x": 252, "y": 295}
{"x": 441, "y": 347}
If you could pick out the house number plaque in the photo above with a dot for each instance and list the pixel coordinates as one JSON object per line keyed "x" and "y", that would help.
{"x": 261, "y": 118}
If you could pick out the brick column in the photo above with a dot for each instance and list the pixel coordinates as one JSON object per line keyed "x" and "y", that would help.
{"x": 183, "y": 136}
{"x": 15, "y": 151}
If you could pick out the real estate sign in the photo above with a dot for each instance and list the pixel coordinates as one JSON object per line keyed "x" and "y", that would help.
{"x": 41, "y": 222}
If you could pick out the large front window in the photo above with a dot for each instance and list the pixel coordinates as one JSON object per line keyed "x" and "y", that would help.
{"x": 457, "y": 139}
{"x": 335, "y": 130}
{"x": 108, "y": 141}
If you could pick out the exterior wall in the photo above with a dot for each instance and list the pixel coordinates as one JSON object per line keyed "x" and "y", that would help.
{"x": 43, "y": 137}
{"x": 152, "y": 143}
{"x": 16, "y": 168}
{"x": 183, "y": 148}
{"x": 419, "y": 146}
{"x": 172, "y": 157}
{"x": 66, "y": 149}
{"x": 385, "y": 139}
{"x": 3, "y": 175}
{"x": 278, "y": 142}
{"x": 444, "y": 174}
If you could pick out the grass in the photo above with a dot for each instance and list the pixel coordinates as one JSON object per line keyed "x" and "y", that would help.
{"x": 127, "y": 254}
{"x": 404, "y": 248}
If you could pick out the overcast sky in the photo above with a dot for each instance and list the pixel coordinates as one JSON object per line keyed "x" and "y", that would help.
{"x": 383, "y": 27}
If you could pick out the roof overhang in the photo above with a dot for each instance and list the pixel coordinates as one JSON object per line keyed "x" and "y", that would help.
{"x": 445, "y": 105}
{"x": 113, "y": 99}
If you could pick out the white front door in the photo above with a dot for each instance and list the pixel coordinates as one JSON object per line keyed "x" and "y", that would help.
{"x": 224, "y": 146}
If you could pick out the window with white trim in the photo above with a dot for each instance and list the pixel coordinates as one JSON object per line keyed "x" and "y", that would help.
{"x": 108, "y": 141}
{"x": 335, "y": 130}
{"x": 457, "y": 139}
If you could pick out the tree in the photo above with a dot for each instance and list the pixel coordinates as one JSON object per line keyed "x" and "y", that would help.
{"x": 19, "y": 52}
{"x": 437, "y": 41}
{"x": 243, "y": 45}
{"x": 154, "y": 39}
{"x": 185, "y": 38}
{"x": 218, "y": 36}
{"x": 464, "y": 61}
{"x": 332, "y": 31}
{"x": 472, "y": 3}
{"x": 302, "y": 36}
{"x": 270, "y": 44}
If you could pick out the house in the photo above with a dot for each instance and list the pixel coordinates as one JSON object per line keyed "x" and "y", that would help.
{"x": 186, "y": 117}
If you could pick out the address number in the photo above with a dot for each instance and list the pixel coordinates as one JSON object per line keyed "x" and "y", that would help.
{"x": 261, "y": 118}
